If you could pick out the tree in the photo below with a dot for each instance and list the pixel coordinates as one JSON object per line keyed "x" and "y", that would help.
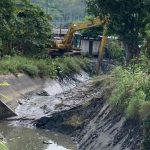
{"x": 147, "y": 44}
{"x": 24, "y": 27}
{"x": 63, "y": 11}
{"x": 93, "y": 32}
{"x": 128, "y": 20}
{"x": 6, "y": 19}
{"x": 34, "y": 28}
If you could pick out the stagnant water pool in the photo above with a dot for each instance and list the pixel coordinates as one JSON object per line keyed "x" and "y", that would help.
{"x": 20, "y": 138}
{"x": 37, "y": 106}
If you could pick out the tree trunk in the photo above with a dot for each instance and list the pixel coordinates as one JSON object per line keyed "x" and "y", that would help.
{"x": 147, "y": 48}
{"x": 132, "y": 50}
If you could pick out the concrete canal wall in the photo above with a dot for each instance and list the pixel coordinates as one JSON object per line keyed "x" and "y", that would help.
{"x": 14, "y": 87}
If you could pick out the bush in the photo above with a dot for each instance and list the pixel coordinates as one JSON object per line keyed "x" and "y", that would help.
{"x": 131, "y": 92}
{"x": 3, "y": 146}
{"x": 135, "y": 106}
{"x": 29, "y": 69}
{"x": 70, "y": 65}
{"x": 46, "y": 68}
{"x": 24, "y": 27}
{"x": 34, "y": 29}
{"x": 115, "y": 50}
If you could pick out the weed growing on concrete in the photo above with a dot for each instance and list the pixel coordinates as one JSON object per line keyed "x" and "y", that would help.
{"x": 59, "y": 67}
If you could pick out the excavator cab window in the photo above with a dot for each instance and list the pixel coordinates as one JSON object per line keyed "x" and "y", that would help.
{"x": 77, "y": 41}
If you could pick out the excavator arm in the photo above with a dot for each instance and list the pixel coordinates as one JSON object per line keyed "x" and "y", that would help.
{"x": 67, "y": 42}
{"x": 65, "y": 45}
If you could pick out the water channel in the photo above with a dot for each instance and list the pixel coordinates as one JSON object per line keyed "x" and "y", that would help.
{"x": 21, "y": 138}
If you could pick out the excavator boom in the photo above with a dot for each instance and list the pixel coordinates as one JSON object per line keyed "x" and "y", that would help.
{"x": 79, "y": 26}
{"x": 66, "y": 43}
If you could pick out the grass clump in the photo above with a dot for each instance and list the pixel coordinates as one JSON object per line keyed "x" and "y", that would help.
{"x": 75, "y": 121}
{"x": 131, "y": 94}
{"x": 31, "y": 70}
{"x": 115, "y": 50}
{"x": 103, "y": 80}
{"x": 71, "y": 65}
{"x": 3, "y": 146}
{"x": 48, "y": 67}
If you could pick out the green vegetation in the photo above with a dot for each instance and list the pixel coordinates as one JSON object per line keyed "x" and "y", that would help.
{"x": 75, "y": 121}
{"x": 24, "y": 28}
{"x": 61, "y": 67}
{"x": 128, "y": 21}
{"x": 115, "y": 51}
{"x": 3, "y": 146}
{"x": 131, "y": 94}
{"x": 129, "y": 89}
{"x": 63, "y": 11}
{"x": 93, "y": 32}
{"x": 103, "y": 80}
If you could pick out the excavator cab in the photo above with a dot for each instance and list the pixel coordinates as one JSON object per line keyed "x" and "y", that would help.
{"x": 77, "y": 41}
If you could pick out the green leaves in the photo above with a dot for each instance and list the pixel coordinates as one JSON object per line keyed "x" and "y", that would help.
{"x": 131, "y": 94}
{"x": 63, "y": 12}
{"x": 59, "y": 67}
{"x": 128, "y": 20}
{"x": 3, "y": 146}
{"x": 24, "y": 27}
{"x": 35, "y": 29}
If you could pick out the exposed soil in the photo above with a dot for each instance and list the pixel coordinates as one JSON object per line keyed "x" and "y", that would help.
{"x": 92, "y": 122}
{"x": 83, "y": 112}
{"x": 80, "y": 109}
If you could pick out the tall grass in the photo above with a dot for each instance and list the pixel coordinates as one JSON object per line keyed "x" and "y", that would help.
{"x": 66, "y": 66}
{"x": 131, "y": 94}
{"x": 3, "y": 146}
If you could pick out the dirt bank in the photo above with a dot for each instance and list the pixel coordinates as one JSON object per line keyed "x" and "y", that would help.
{"x": 14, "y": 89}
{"x": 49, "y": 97}
{"x": 93, "y": 123}
{"x": 79, "y": 108}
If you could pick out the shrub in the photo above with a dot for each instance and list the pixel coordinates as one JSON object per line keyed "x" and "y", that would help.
{"x": 29, "y": 69}
{"x": 3, "y": 146}
{"x": 70, "y": 65}
{"x": 131, "y": 92}
{"x": 115, "y": 50}
{"x": 135, "y": 106}
{"x": 145, "y": 110}
{"x": 46, "y": 68}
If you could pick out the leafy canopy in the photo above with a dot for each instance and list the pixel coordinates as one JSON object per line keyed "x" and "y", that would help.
{"x": 128, "y": 19}
{"x": 24, "y": 27}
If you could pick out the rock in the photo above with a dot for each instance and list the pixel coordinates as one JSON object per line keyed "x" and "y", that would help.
{"x": 46, "y": 142}
{"x": 43, "y": 93}
{"x": 46, "y": 109}
{"x": 20, "y": 103}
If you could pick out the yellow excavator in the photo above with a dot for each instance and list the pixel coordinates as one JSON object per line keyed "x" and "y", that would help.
{"x": 66, "y": 45}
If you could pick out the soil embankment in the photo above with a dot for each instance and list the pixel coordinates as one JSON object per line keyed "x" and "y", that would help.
{"x": 93, "y": 123}
{"x": 79, "y": 108}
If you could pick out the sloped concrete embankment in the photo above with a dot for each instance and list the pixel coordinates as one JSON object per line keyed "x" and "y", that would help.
{"x": 14, "y": 87}
{"x": 94, "y": 125}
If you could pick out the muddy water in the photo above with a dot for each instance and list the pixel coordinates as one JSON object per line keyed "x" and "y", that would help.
{"x": 20, "y": 138}
{"x": 37, "y": 106}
